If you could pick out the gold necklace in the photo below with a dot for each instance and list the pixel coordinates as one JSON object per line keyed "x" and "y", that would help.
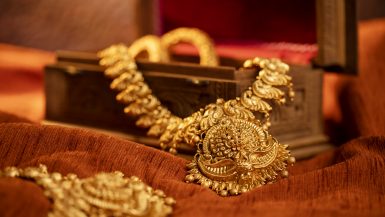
{"x": 105, "y": 194}
{"x": 235, "y": 152}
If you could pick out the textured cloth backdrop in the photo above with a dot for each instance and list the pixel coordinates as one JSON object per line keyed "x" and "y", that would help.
{"x": 346, "y": 182}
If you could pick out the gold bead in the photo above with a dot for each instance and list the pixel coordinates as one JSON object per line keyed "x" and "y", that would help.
{"x": 271, "y": 66}
{"x": 285, "y": 173}
{"x": 135, "y": 178}
{"x": 159, "y": 192}
{"x": 291, "y": 160}
{"x": 173, "y": 151}
{"x": 243, "y": 189}
{"x": 248, "y": 64}
{"x": 263, "y": 63}
{"x": 189, "y": 178}
{"x": 265, "y": 127}
{"x": 223, "y": 193}
{"x": 163, "y": 146}
{"x": 56, "y": 176}
{"x": 256, "y": 60}
{"x": 291, "y": 94}
{"x": 43, "y": 168}
{"x": 206, "y": 183}
{"x": 196, "y": 139}
{"x": 71, "y": 176}
{"x": 220, "y": 101}
{"x": 233, "y": 191}
{"x": 169, "y": 201}
{"x": 268, "y": 124}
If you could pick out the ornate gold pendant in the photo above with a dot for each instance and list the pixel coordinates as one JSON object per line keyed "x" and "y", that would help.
{"x": 234, "y": 152}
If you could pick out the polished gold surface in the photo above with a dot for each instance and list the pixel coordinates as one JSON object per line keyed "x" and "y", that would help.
{"x": 197, "y": 38}
{"x": 133, "y": 91}
{"x": 105, "y": 194}
{"x": 152, "y": 46}
{"x": 235, "y": 152}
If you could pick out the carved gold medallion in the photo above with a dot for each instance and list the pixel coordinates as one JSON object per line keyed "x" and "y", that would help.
{"x": 235, "y": 154}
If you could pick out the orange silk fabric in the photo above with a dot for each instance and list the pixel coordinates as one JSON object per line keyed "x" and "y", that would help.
{"x": 346, "y": 182}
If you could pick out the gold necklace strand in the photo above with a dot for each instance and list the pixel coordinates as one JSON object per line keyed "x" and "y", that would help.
{"x": 152, "y": 45}
{"x": 197, "y": 38}
{"x": 235, "y": 152}
{"x": 119, "y": 61}
{"x": 133, "y": 91}
{"x": 105, "y": 194}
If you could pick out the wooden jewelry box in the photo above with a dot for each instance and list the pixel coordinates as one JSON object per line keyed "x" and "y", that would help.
{"x": 78, "y": 93}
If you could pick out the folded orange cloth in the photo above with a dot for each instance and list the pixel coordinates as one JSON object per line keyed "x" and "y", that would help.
{"x": 346, "y": 182}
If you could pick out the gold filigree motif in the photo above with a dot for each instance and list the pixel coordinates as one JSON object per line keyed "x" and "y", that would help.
{"x": 235, "y": 155}
{"x": 105, "y": 194}
{"x": 235, "y": 152}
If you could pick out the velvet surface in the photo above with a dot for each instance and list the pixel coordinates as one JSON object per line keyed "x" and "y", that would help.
{"x": 348, "y": 181}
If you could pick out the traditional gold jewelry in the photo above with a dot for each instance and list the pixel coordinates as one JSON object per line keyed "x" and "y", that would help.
{"x": 235, "y": 152}
{"x": 105, "y": 194}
